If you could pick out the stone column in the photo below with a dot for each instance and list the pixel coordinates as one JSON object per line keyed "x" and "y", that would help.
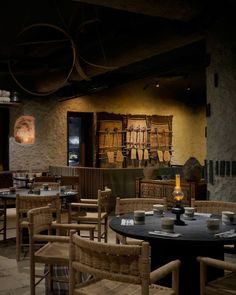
{"x": 221, "y": 101}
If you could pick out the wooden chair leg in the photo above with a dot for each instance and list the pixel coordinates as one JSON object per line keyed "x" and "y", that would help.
{"x": 99, "y": 232}
{"x": 50, "y": 277}
{"x": 106, "y": 229}
{"x": 3, "y": 214}
{"x": 18, "y": 243}
{"x": 32, "y": 273}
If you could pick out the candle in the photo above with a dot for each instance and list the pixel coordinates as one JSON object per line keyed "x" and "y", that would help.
{"x": 177, "y": 181}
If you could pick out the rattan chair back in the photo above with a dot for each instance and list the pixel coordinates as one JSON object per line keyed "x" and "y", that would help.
{"x": 70, "y": 182}
{"x": 213, "y": 206}
{"x": 54, "y": 251}
{"x": 46, "y": 185}
{"x": 115, "y": 269}
{"x": 45, "y": 179}
{"x": 23, "y": 204}
{"x": 127, "y": 205}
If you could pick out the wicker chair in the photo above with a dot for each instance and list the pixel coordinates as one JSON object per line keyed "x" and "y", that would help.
{"x": 55, "y": 251}
{"x": 50, "y": 185}
{"x": 70, "y": 181}
{"x": 127, "y": 205}
{"x": 93, "y": 211}
{"x": 23, "y": 205}
{"x": 216, "y": 207}
{"x": 3, "y": 220}
{"x": 45, "y": 179}
{"x": 221, "y": 286}
{"x": 211, "y": 206}
{"x": 117, "y": 269}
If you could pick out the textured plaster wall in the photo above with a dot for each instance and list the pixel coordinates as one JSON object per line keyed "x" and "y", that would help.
{"x": 221, "y": 138}
{"x": 51, "y": 123}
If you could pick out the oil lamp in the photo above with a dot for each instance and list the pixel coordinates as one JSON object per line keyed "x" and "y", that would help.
{"x": 178, "y": 197}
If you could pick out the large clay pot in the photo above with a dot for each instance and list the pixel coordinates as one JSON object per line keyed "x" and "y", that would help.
{"x": 192, "y": 170}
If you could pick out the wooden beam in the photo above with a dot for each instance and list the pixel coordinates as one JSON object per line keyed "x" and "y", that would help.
{"x": 184, "y": 10}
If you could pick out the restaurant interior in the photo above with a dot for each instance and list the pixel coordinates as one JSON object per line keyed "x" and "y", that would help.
{"x": 126, "y": 107}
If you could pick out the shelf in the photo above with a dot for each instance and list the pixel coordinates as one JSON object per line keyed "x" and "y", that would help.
{"x": 10, "y": 104}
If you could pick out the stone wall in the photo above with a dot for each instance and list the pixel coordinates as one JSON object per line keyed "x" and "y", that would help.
{"x": 221, "y": 95}
{"x": 50, "y": 146}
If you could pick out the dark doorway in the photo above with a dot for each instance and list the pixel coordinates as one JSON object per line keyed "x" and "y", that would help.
{"x": 4, "y": 139}
{"x": 80, "y": 139}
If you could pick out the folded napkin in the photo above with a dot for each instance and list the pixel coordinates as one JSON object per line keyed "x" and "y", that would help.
{"x": 164, "y": 234}
{"x": 226, "y": 234}
{"x": 127, "y": 221}
{"x": 69, "y": 193}
{"x": 203, "y": 214}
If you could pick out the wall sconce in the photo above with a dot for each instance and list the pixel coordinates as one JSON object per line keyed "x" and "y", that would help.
{"x": 157, "y": 84}
{"x": 24, "y": 130}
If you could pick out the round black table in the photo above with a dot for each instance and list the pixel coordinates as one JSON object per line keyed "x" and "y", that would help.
{"x": 6, "y": 194}
{"x": 195, "y": 240}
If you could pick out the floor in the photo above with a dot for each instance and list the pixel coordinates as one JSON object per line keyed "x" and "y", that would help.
{"x": 14, "y": 277}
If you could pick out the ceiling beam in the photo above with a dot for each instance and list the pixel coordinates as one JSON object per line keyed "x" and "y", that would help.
{"x": 184, "y": 10}
{"x": 133, "y": 50}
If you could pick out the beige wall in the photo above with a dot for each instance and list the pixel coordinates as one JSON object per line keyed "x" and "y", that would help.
{"x": 51, "y": 123}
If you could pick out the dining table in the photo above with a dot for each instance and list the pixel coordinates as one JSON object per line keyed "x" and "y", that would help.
{"x": 186, "y": 243}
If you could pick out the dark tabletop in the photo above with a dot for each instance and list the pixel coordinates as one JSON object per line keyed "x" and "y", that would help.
{"x": 194, "y": 231}
{"x": 8, "y": 195}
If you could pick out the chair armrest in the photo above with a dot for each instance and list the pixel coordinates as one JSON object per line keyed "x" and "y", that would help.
{"x": 164, "y": 270}
{"x": 73, "y": 226}
{"x": 51, "y": 238}
{"x": 84, "y": 205}
{"x": 217, "y": 263}
{"x": 92, "y": 201}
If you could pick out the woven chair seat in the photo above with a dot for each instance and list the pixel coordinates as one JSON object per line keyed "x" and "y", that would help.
{"x": 225, "y": 285}
{"x": 53, "y": 253}
{"x": 107, "y": 287}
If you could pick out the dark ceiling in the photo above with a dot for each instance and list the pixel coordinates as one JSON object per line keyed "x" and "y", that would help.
{"x": 71, "y": 48}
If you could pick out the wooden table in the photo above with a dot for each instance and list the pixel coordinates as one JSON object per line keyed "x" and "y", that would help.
{"x": 195, "y": 240}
